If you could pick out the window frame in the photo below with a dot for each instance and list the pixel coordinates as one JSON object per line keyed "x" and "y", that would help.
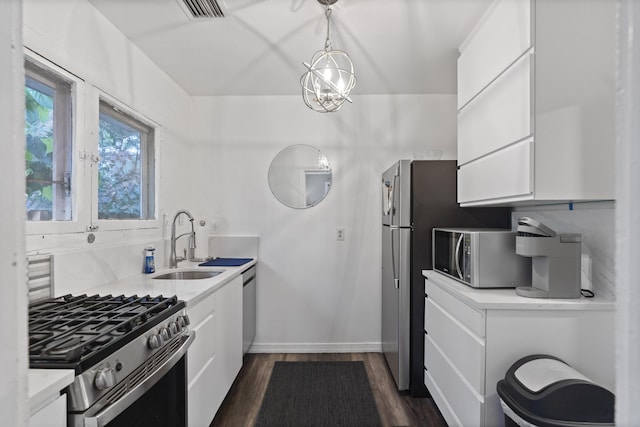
{"x": 150, "y": 163}
{"x": 77, "y": 110}
{"x": 85, "y": 113}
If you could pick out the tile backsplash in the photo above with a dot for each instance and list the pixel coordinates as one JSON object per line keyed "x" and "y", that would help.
{"x": 596, "y": 223}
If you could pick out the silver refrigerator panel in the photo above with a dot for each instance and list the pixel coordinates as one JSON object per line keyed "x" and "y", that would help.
{"x": 396, "y": 194}
{"x": 396, "y": 279}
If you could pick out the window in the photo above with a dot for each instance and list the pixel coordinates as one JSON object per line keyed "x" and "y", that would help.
{"x": 125, "y": 167}
{"x": 90, "y": 159}
{"x": 48, "y": 154}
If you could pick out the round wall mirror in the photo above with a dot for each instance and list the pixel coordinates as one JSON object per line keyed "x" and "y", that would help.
{"x": 300, "y": 176}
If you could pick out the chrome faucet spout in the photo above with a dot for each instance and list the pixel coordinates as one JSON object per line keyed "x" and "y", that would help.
{"x": 173, "y": 259}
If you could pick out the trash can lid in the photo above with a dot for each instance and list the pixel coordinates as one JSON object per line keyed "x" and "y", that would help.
{"x": 546, "y": 392}
{"x": 538, "y": 374}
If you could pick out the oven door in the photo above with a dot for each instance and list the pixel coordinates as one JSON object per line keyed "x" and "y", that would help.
{"x": 159, "y": 399}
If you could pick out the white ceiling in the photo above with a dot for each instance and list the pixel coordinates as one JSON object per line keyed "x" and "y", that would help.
{"x": 397, "y": 46}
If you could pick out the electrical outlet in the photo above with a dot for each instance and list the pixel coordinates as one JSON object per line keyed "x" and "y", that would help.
{"x": 340, "y": 233}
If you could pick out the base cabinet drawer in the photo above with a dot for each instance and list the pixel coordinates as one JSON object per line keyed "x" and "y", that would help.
{"x": 202, "y": 402}
{"x": 463, "y": 349}
{"x": 467, "y": 316}
{"x": 467, "y": 406}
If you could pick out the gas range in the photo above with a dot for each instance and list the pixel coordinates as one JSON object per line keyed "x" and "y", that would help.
{"x": 118, "y": 346}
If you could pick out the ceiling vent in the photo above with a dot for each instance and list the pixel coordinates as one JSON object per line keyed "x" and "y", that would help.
{"x": 203, "y": 9}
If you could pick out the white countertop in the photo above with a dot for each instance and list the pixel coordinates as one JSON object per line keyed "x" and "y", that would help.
{"x": 189, "y": 291}
{"x": 45, "y": 384}
{"x": 506, "y": 299}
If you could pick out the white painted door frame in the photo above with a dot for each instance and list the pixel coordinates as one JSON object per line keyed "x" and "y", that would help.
{"x": 14, "y": 405}
{"x": 628, "y": 216}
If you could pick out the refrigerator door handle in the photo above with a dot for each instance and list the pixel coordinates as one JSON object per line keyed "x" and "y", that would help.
{"x": 457, "y": 256}
{"x": 393, "y": 198}
{"x": 396, "y": 280}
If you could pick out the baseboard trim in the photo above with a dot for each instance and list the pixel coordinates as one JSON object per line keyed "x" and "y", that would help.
{"x": 365, "y": 347}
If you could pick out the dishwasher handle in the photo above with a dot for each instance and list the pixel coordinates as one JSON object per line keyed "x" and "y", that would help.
{"x": 248, "y": 276}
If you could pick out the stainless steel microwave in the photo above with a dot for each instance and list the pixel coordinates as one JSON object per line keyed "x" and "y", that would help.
{"x": 480, "y": 257}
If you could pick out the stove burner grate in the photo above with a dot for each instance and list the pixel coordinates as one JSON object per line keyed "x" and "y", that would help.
{"x": 70, "y": 329}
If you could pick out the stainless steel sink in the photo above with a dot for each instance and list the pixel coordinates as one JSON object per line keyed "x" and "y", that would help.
{"x": 188, "y": 275}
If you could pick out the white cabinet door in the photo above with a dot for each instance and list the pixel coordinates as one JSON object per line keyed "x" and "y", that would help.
{"x": 202, "y": 322}
{"x": 500, "y": 115}
{"x": 215, "y": 357}
{"x": 465, "y": 403}
{"x": 500, "y": 38}
{"x": 52, "y": 415}
{"x": 504, "y": 174}
{"x": 202, "y": 408}
{"x": 463, "y": 349}
{"x": 201, "y": 359}
{"x": 228, "y": 337}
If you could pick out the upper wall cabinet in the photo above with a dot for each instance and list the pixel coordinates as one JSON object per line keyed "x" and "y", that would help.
{"x": 536, "y": 104}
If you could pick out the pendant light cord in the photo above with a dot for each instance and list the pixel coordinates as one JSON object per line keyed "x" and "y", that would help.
{"x": 327, "y": 44}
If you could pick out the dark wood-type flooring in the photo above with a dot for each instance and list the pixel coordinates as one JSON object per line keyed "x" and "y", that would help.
{"x": 241, "y": 406}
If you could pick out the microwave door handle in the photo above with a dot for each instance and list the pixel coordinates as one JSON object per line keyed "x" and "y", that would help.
{"x": 457, "y": 256}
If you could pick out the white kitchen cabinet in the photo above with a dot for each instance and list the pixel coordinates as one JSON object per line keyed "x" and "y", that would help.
{"x": 472, "y": 336}
{"x": 53, "y": 414}
{"x": 537, "y": 77}
{"x": 228, "y": 338}
{"x": 215, "y": 357}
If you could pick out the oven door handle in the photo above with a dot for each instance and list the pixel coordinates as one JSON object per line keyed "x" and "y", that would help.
{"x": 110, "y": 412}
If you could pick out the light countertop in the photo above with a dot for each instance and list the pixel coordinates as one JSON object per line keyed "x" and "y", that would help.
{"x": 45, "y": 384}
{"x": 189, "y": 291}
{"x": 506, "y": 299}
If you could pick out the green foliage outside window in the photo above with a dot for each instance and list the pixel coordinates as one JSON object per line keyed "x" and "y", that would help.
{"x": 119, "y": 171}
{"x": 39, "y": 151}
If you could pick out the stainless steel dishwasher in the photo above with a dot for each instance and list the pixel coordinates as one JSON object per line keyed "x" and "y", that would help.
{"x": 248, "y": 308}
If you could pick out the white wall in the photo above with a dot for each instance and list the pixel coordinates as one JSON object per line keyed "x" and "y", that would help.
{"x": 73, "y": 35}
{"x": 314, "y": 293}
{"x": 13, "y": 315}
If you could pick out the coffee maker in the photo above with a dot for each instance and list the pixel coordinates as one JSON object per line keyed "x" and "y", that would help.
{"x": 555, "y": 258}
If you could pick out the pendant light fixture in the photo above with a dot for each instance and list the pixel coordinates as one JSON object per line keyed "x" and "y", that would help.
{"x": 330, "y": 77}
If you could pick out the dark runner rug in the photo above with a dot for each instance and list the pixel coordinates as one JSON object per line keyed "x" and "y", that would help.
{"x": 318, "y": 394}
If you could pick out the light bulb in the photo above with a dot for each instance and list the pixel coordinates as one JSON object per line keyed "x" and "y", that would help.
{"x": 327, "y": 74}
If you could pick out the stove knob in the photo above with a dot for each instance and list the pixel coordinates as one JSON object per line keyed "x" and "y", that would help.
{"x": 104, "y": 379}
{"x": 174, "y": 328}
{"x": 183, "y": 321}
{"x": 165, "y": 334}
{"x": 155, "y": 341}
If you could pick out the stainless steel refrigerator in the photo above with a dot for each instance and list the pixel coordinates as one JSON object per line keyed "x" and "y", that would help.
{"x": 416, "y": 197}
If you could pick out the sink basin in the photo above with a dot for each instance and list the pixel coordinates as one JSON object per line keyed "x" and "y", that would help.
{"x": 187, "y": 275}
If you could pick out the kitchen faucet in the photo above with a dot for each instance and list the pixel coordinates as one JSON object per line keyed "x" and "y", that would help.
{"x": 173, "y": 259}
